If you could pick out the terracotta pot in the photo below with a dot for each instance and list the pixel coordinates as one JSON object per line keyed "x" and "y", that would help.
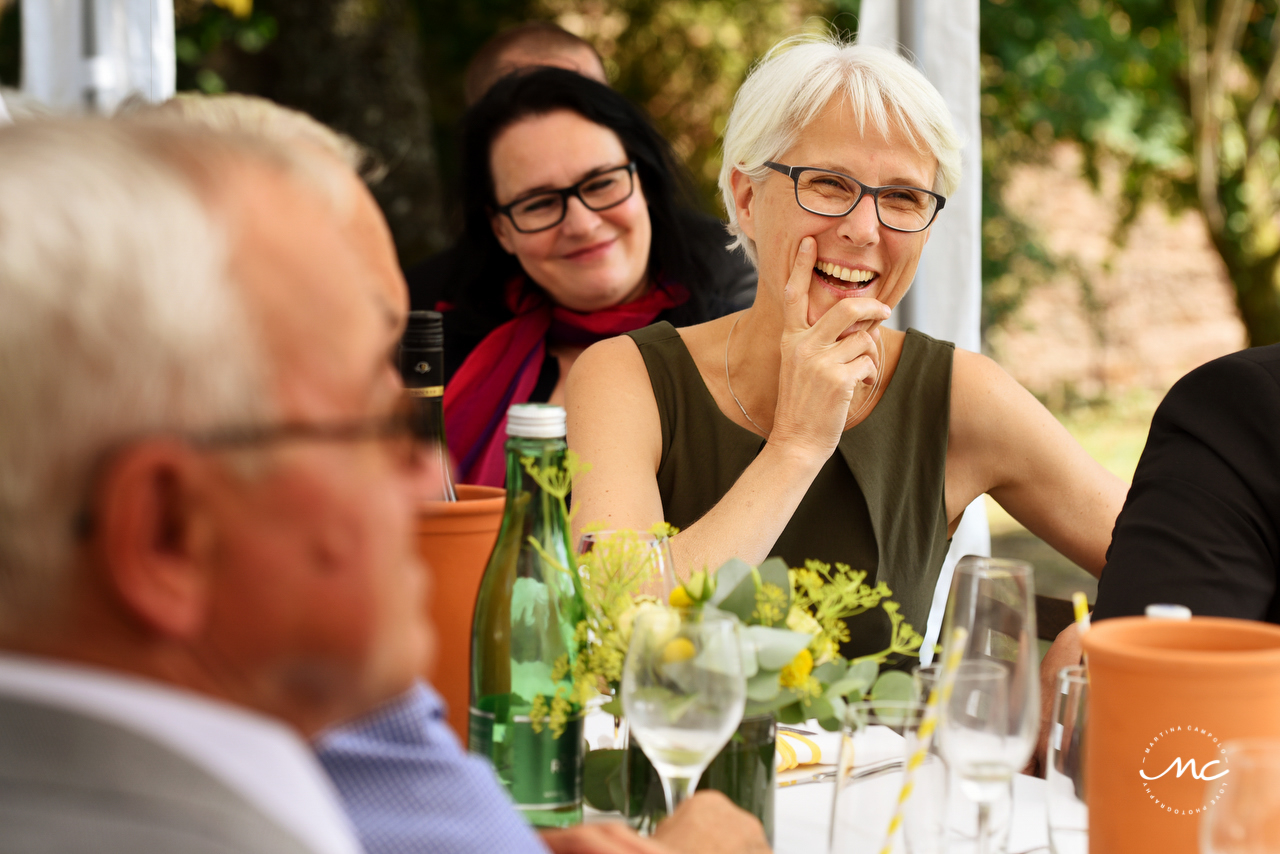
{"x": 455, "y": 538}
{"x": 1163, "y": 697}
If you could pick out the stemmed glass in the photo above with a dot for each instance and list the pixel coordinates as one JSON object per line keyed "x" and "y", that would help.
{"x": 683, "y": 691}
{"x": 1246, "y": 816}
{"x": 621, "y": 558}
{"x": 988, "y": 729}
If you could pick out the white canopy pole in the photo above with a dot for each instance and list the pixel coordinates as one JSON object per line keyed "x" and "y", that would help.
{"x": 945, "y": 300}
{"x": 89, "y": 55}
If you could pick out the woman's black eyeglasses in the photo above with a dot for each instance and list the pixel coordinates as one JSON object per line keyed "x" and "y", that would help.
{"x": 834, "y": 194}
{"x": 546, "y": 209}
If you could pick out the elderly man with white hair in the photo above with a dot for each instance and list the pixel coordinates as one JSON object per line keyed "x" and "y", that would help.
{"x": 207, "y": 492}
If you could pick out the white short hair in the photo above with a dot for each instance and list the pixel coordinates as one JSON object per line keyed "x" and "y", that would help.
{"x": 117, "y": 321}
{"x": 798, "y": 77}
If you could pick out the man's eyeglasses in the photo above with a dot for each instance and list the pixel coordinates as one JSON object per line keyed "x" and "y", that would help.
{"x": 547, "y": 209}
{"x": 403, "y": 431}
{"x": 834, "y": 194}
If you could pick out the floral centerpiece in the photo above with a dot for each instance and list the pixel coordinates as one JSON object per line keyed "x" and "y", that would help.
{"x": 794, "y": 623}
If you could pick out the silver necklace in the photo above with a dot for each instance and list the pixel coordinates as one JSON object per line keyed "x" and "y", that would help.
{"x": 747, "y": 415}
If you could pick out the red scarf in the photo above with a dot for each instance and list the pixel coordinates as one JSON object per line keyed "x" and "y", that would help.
{"x": 503, "y": 369}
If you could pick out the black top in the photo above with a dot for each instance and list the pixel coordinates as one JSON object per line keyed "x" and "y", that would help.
{"x": 437, "y": 280}
{"x": 1201, "y": 525}
{"x": 878, "y": 504}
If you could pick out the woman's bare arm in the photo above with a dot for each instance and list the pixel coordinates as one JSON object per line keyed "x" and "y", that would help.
{"x": 613, "y": 425}
{"x": 1003, "y": 442}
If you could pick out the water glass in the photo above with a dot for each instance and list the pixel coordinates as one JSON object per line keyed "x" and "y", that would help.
{"x": 621, "y": 561}
{"x": 1243, "y": 815}
{"x": 993, "y": 600}
{"x": 880, "y": 737}
{"x": 683, "y": 691}
{"x": 1065, "y": 802}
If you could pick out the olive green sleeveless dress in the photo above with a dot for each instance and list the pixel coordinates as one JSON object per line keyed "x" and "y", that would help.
{"x": 877, "y": 504}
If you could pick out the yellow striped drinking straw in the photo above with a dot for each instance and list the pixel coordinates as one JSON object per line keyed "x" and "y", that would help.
{"x": 938, "y": 696}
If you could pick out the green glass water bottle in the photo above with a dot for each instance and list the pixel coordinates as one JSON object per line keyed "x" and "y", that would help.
{"x": 522, "y": 637}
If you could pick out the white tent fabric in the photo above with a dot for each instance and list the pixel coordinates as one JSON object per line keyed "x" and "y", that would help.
{"x": 945, "y": 301}
{"x": 89, "y": 55}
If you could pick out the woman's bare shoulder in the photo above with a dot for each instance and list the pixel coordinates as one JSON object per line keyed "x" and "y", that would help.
{"x": 606, "y": 358}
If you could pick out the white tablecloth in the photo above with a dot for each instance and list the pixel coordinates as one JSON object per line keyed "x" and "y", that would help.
{"x": 802, "y": 818}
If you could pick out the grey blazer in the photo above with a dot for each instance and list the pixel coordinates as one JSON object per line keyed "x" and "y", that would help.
{"x": 71, "y": 783}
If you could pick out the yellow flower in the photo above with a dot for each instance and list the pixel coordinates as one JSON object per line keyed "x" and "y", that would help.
{"x": 678, "y": 649}
{"x": 800, "y": 620}
{"x": 770, "y": 600}
{"x": 796, "y": 674}
{"x": 680, "y": 598}
{"x": 239, "y": 8}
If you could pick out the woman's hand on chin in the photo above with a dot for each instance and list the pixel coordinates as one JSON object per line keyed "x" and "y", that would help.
{"x": 824, "y": 364}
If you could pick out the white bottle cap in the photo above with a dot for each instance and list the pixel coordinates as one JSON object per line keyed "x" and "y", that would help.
{"x": 1168, "y": 612}
{"x": 536, "y": 421}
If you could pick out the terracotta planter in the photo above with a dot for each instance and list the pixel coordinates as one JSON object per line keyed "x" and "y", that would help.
{"x": 1163, "y": 697}
{"x": 455, "y": 538}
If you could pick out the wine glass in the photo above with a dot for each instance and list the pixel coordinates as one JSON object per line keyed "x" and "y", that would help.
{"x": 1245, "y": 819}
{"x": 1065, "y": 804}
{"x": 638, "y": 561}
{"x": 993, "y": 600}
{"x": 683, "y": 691}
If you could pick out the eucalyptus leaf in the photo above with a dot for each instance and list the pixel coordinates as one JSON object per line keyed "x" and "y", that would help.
{"x": 786, "y": 697}
{"x": 747, "y": 648}
{"x": 820, "y": 709}
{"x": 792, "y": 714}
{"x": 737, "y": 597}
{"x": 776, "y": 647}
{"x": 728, "y": 577}
{"x": 893, "y": 685}
{"x": 833, "y": 723}
{"x": 831, "y": 672}
{"x": 763, "y": 686}
{"x": 597, "y": 767}
{"x": 856, "y": 681}
{"x": 774, "y": 571}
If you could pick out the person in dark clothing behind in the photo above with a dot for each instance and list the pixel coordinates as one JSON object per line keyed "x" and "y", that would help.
{"x": 1201, "y": 525}
{"x": 578, "y": 226}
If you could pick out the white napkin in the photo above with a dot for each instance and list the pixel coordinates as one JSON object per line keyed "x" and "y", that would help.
{"x": 816, "y": 747}
{"x": 817, "y": 752}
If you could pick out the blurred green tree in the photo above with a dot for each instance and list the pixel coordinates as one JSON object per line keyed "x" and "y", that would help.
{"x": 356, "y": 66}
{"x": 1179, "y": 94}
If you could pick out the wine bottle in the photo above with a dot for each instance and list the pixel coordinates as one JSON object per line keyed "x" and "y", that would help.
{"x": 422, "y": 371}
{"x": 522, "y": 637}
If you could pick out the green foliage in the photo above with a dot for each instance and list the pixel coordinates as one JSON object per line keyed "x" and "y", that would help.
{"x": 1172, "y": 93}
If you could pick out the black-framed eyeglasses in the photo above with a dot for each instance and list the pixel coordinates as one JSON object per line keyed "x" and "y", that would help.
{"x": 404, "y": 433}
{"x": 835, "y": 194}
{"x": 546, "y": 209}
{"x": 402, "y": 430}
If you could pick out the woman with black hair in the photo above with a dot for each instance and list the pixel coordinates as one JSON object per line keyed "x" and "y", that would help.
{"x": 578, "y": 227}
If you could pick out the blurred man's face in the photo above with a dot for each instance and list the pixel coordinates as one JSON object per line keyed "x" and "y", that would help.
{"x": 583, "y": 60}
{"x": 319, "y": 593}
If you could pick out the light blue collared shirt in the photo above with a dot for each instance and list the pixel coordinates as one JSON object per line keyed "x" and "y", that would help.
{"x": 410, "y": 788}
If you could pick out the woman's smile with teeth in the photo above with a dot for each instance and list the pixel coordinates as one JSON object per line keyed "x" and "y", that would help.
{"x": 844, "y": 273}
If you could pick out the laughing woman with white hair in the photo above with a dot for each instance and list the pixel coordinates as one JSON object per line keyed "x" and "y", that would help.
{"x": 801, "y": 427}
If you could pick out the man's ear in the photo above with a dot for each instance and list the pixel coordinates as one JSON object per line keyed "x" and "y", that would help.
{"x": 153, "y": 536}
{"x": 502, "y": 230}
{"x": 744, "y": 197}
